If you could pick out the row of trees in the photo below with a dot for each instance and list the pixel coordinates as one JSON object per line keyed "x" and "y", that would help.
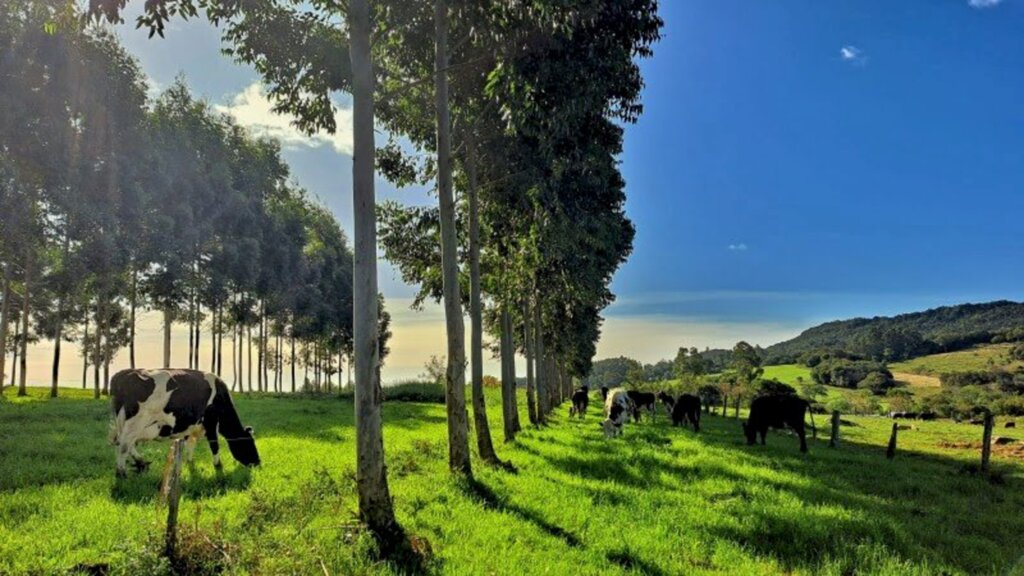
{"x": 519, "y": 107}
{"x": 114, "y": 204}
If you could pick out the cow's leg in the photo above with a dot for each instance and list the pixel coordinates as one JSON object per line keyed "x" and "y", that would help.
{"x": 122, "y": 458}
{"x": 210, "y": 424}
{"x": 764, "y": 432}
{"x": 803, "y": 438}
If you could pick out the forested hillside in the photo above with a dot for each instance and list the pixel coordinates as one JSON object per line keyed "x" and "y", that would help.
{"x": 905, "y": 336}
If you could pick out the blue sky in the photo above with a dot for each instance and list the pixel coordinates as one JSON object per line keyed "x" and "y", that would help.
{"x": 798, "y": 161}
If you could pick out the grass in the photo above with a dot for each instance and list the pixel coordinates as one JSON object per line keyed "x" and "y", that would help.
{"x": 661, "y": 500}
{"x": 983, "y": 357}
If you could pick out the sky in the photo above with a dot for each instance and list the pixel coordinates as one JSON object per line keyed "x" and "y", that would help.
{"x": 798, "y": 161}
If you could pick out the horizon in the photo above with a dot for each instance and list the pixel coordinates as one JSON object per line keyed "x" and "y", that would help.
{"x": 795, "y": 164}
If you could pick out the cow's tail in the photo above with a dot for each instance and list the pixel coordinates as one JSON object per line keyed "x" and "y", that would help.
{"x": 814, "y": 429}
{"x": 116, "y": 426}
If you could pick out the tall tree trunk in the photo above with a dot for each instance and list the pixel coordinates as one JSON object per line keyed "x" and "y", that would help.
{"x": 248, "y": 373}
{"x": 191, "y": 333}
{"x": 199, "y": 332}
{"x": 375, "y": 507}
{"x": 98, "y": 349}
{"x": 168, "y": 319}
{"x": 220, "y": 339}
{"x": 5, "y": 311}
{"x": 25, "y": 313}
{"x": 531, "y": 400}
{"x": 483, "y": 430}
{"x": 259, "y": 354}
{"x": 213, "y": 341}
{"x": 85, "y": 354}
{"x": 133, "y": 298}
{"x": 234, "y": 358}
{"x": 455, "y": 388}
{"x": 58, "y": 332}
{"x": 17, "y": 348}
{"x": 543, "y": 395}
{"x": 508, "y": 378}
{"x": 293, "y": 359}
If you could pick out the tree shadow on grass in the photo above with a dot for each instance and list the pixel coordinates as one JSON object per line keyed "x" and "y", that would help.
{"x": 631, "y": 562}
{"x": 195, "y": 485}
{"x": 493, "y": 501}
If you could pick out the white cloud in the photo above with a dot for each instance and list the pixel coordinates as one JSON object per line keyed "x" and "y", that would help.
{"x": 983, "y": 3}
{"x": 251, "y": 108}
{"x": 853, "y": 55}
{"x": 741, "y": 247}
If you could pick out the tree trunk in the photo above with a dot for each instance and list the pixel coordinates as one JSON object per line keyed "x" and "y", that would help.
{"x": 248, "y": 372}
{"x": 510, "y": 416}
{"x": 168, "y": 318}
{"x": 375, "y": 507}
{"x": 98, "y": 349}
{"x": 5, "y": 310}
{"x": 220, "y": 340}
{"x": 531, "y": 402}
{"x": 543, "y": 398}
{"x": 293, "y": 359}
{"x": 85, "y": 354}
{"x": 191, "y": 333}
{"x": 199, "y": 331}
{"x": 455, "y": 389}
{"x": 25, "y": 313}
{"x": 234, "y": 358}
{"x": 17, "y": 348}
{"x": 483, "y": 430}
{"x": 133, "y": 297}
{"x": 259, "y": 354}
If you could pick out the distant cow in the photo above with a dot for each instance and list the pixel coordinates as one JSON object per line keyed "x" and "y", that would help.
{"x": 1011, "y": 425}
{"x": 667, "y": 401}
{"x": 777, "y": 411}
{"x": 604, "y": 393}
{"x": 616, "y": 410}
{"x": 151, "y": 404}
{"x": 580, "y": 401}
{"x": 687, "y": 409}
{"x": 642, "y": 402}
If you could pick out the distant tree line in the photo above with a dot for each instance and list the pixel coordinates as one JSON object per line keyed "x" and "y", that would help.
{"x": 885, "y": 339}
{"x": 113, "y": 203}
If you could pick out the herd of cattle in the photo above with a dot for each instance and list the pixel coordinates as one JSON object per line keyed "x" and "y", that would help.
{"x": 154, "y": 404}
{"x": 771, "y": 411}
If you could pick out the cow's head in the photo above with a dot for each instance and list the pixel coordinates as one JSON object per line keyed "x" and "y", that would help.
{"x": 243, "y": 448}
{"x": 750, "y": 433}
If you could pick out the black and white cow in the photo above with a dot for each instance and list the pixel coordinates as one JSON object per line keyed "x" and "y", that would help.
{"x": 617, "y": 407}
{"x": 580, "y": 401}
{"x": 642, "y": 402}
{"x": 687, "y": 409}
{"x": 152, "y": 404}
{"x": 777, "y": 411}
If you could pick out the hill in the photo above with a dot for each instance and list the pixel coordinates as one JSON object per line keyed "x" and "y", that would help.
{"x": 661, "y": 500}
{"x": 895, "y": 338}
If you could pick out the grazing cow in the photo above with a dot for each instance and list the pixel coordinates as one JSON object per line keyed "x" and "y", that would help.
{"x": 687, "y": 409}
{"x": 616, "y": 410}
{"x": 1011, "y": 425}
{"x": 580, "y": 401}
{"x": 151, "y": 404}
{"x": 666, "y": 401}
{"x": 604, "y": 393}
{"x": 642, "y": 401}
{"x": 777, "y": 411}
{"x": 926, "y": 416}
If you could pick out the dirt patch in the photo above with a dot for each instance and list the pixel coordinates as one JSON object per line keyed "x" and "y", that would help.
{"x": 917, "y": 380}
{"x": 1014, "y": 450}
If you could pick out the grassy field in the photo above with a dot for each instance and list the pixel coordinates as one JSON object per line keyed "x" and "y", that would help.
{"x": 978, "y": 358}
{"x": 659, "y": 501}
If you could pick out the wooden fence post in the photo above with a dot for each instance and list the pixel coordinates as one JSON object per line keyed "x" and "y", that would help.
{"x": 890, "y": 452}
{"x": 172, "y": 492}
{"x": 833, "y": 441}
{"x": 986, "y": 443}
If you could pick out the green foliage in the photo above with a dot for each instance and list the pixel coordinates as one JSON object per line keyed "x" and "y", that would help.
{"x": 767, "y": 387}
{"x": 612, "y": 372}
{"x": 947, "y": 328}
{"x": 877, "y": 382}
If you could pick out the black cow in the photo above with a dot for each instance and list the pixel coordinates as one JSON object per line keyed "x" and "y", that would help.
{"x": 604, "y": 393}
{"x": 642, "y": 401}
{"x": 687, "y": 409}
{"x": 666, "y": 401}
{"x": 580, "y": 401}
{"x": 151, "y": 404}
{"x": 777, "y": 411}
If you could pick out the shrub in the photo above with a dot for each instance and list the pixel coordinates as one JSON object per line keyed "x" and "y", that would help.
{"x": 773, "y": 387}
{"x": 878, "y": 383}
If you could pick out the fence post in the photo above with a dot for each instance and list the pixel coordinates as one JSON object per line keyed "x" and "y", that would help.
{"x": 172, "y": 492}
{"x": 833, "y": 441}
{"x": 891, "y": 451}
{"x": 986, "y": 443}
